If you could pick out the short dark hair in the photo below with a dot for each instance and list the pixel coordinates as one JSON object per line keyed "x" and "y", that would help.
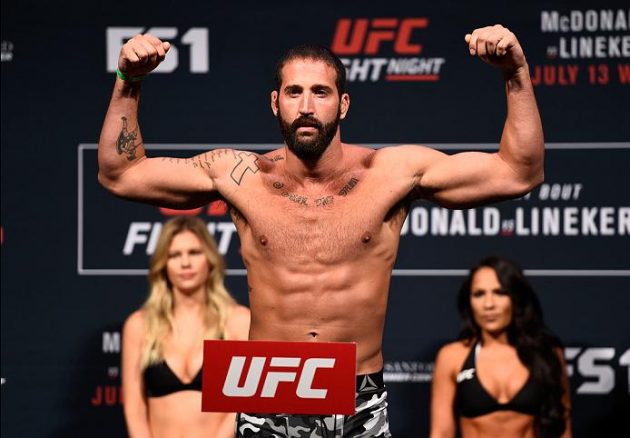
{"x": 316, "y": 53}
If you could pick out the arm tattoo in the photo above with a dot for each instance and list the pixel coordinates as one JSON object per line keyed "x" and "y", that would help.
{"x": 348, "y": 187}
{"x": 207, "y": 160}
{"x": 218, "y": 153}
{"x": 174, "y": 160}
{"x": 126, "y": 143}
{"x": 248, "y": 161}
{"x": 198, "y": 162}
{"x": 214, "y": 155}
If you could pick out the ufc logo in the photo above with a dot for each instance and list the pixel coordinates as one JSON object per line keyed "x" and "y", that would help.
{"x": 314, "y": 378}
{"x": 215, "y": 208}
{"x": 196, "y": 38}
{"x": 272, "y": 379}
{"x": 367, "y": 35}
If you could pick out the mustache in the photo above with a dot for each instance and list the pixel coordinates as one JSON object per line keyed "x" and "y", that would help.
{"x": 306, "y": 122}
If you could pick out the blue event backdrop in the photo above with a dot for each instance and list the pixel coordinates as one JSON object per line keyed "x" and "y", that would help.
{"x": 74, "y": 257}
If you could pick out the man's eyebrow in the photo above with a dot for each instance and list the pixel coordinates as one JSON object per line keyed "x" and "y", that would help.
{"x": 293, "y": 87}
{"x": 321, "y": 87}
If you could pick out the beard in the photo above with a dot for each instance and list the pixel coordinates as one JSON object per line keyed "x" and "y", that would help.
{"x": 312, "y": 147}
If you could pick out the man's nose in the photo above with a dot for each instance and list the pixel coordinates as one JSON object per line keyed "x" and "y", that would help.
{"x": 306, "y": 105}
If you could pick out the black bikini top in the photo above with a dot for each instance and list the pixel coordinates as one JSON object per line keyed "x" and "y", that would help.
{"x": 472, "y": 400}
{"x": 160, "y": 380}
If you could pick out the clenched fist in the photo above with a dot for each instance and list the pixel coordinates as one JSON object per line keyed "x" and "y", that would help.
{"x": 141, "y": 55}
{"x": 497, "y": 46}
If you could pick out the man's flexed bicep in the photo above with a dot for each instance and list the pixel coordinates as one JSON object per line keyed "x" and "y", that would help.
{"x": 124, "y": 168}
{"x": 467, "y": 179}
{"x": 120, "y": 142}
{"x": 473, "y": 178}
{"x": 459, "y": 180}
{"x": 185, "y": 182}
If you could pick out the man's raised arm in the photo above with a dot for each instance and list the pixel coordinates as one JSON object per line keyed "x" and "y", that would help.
{"x": 123, "y": 167}
{"x": 472, "y": 178}
{"x": 522, "y": 144}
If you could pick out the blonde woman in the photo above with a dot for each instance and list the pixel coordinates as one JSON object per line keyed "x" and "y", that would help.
{"x": 163, "y": 341}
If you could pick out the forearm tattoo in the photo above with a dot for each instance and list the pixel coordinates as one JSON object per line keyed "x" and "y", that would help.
{"x": 126, "y": 143}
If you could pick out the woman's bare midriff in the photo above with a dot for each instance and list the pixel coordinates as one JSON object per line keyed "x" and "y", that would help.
{"x": 179, "y": 415}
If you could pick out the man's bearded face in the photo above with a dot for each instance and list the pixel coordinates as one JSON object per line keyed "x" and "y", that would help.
{"x": 308, "y": 144}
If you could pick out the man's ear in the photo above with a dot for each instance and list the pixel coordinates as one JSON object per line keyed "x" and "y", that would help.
{"x": 344, "y": 105}
{"x": 274, "y": 102}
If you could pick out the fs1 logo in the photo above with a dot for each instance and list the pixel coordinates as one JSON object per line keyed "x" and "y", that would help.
{"x": 250, "y": 387}
{"x": 593, "y": 364}
{"x": 196, "y": 38}
{"x": 317, "y": 378}
{"x": 365, "y": 38}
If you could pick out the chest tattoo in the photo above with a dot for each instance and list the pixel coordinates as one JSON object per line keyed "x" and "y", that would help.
{"x": 348, "y": 187}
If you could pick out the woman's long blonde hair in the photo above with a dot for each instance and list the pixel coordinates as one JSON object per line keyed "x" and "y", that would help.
{"x": 158, "y": 308}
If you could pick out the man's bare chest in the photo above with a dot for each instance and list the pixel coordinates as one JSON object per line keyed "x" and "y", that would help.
{"x": 325, "y": 222}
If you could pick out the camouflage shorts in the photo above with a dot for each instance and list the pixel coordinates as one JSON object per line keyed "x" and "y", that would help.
{"x": 369, "y": 419}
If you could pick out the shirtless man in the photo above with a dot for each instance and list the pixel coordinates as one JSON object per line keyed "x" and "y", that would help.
{"x": 319, "y": 220}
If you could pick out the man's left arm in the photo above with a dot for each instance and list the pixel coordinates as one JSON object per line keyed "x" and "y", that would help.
{"x": 472, "y": 178}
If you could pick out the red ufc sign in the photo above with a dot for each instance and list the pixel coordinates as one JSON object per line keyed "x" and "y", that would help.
{"x": 367, "y": 35}
{"x": 215, "y": 208}
{"x": 316, "y": 378}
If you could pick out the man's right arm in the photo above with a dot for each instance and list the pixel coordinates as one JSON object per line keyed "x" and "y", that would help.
{"x": 124, "y": 168}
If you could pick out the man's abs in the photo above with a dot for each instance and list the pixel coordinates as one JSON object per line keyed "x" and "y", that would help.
{"x": 338, "y": 304}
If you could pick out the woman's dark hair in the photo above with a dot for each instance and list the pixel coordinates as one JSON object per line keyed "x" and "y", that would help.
{"x": 535, "y": 344}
